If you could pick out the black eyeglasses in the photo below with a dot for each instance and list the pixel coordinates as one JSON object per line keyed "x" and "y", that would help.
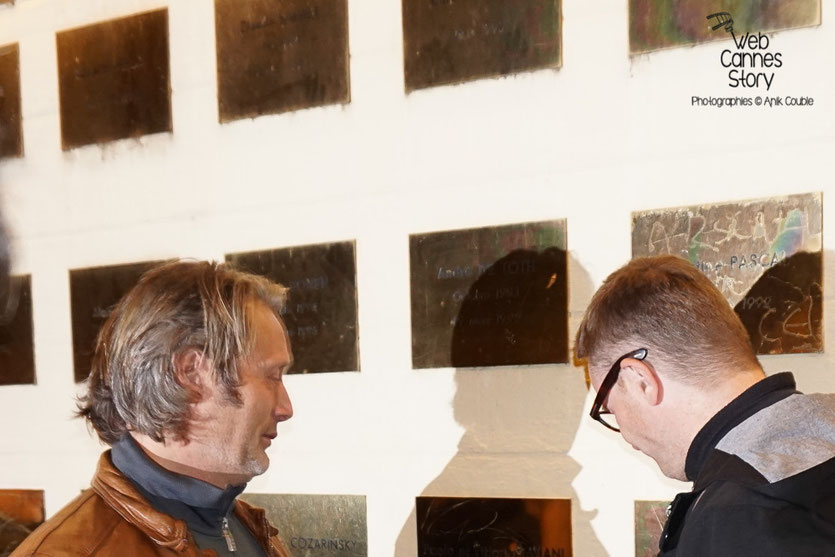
{"x": 597, "y": 409}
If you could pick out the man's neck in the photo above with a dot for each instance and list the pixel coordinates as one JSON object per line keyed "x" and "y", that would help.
{"x": 693, "y": 407}
{"x": 177, "y": 457}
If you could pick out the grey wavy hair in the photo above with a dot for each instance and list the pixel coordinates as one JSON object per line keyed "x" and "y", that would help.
{"x": 176, "y": 307}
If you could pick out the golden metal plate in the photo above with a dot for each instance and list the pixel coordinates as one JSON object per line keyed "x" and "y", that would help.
{"x": 17, "y": 352}
{"x": 321, "y": 310}
{"x": 280, "y": 55}
{"x": 317, "y": 525}
{"x": 450, "y": 41}
{"x": 490, "y": 296}
{"x": 21, "y": 511}
{"x": 491, "y": 526}
{"x": 114, "y": 80}
{"x": 764, "y": 255}
{"x": 650, "y": 517}
{"x": 11, "y": 118}
{"x": 655, "y": 24}
{"x": 93, "y": 294}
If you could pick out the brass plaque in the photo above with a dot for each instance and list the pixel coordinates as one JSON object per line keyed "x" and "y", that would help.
{"x": 280, "y": 55}
{"x": 317, "y": 525}
{"x": 321, "y": 311}
{"x": 490, "y": 296}
{"x": 93, "y": 294}
{"x": 17, "y": 352}
{"x": 450, "y": 41}
{"x": 650, "y": 517}
{"x": 655, "y": 24}
{"x": 764, "y": 255}
{"x": 114, "y": 80}
{"x": 21, "y": 511}
{"x": 11, "y": 126}
{"x": 456, "y": 526}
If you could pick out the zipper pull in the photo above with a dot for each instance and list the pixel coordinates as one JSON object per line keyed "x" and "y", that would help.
{"x": 227, "y": 535}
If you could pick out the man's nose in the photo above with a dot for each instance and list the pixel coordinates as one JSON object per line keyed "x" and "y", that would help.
{"x": 283, "y": 408}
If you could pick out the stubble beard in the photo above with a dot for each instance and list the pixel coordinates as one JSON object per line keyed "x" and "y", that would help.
{"x": 250, "y": 461}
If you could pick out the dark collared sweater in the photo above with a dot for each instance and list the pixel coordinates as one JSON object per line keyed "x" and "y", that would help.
{"x": 764, "y": 478}
{"x": 206, "y": 509}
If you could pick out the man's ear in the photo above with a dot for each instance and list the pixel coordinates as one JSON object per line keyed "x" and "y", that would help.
{"x": 191, "y": 369}
{"x": 643, "y": 379}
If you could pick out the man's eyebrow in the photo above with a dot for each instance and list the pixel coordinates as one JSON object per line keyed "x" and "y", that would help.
{"x": 280, "y": 365}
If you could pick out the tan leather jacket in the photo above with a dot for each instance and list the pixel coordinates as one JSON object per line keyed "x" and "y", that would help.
{"x": 113, "y": 518}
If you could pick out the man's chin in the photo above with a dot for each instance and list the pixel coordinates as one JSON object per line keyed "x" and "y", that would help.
{"x": 259, "y": 465}
{"x": 630, "y": 442}
{"x": 670, "y": 470}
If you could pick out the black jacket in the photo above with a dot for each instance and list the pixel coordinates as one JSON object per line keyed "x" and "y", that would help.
{"x": 764, "y": 478}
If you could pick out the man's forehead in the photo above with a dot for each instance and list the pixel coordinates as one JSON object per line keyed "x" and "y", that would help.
{"x": 271, "y": 341}
{"x": 260, "y": 314}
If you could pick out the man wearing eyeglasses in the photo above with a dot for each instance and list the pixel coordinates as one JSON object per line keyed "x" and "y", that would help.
{"x": 676, "y": 375}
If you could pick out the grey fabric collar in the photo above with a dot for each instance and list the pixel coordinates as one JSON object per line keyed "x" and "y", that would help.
{"x": 760, "y": 395}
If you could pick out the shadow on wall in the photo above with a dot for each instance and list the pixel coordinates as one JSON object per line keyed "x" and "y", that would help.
{"x": 520, "y": 421}
{"x": 783, "y": 310}
{"x": 795, "y": 321}
{"x": 515, "y": 313}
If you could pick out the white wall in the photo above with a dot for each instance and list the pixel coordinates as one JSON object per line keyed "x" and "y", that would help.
{"x": 603, "y": 136}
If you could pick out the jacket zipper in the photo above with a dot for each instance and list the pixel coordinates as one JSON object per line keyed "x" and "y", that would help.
{"x": 227, "y": 535}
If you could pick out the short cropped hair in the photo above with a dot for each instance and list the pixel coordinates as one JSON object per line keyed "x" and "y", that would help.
{"x": 176, "y": 307}
{"x": 665, "y": 304}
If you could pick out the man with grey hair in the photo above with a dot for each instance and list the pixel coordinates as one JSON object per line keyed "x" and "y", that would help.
{"x": 676, "y": 375}
{"x": 187, "y": 387}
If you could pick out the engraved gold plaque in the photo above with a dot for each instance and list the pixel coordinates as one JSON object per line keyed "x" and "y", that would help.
{"x": 93, "y": 294}
{"x": 280, "y": 55}
{"x": 11, "y": 125}
{"x": 321, "y": 310}
{"x": 21, "y": 511}
{"x": 317, "y": 525}
{"x": 449, "y": 41}
{"x": 114, "y": 80}
{"x": 764, "y": 255}
{"x": 655, "y": 24}
{"x": 490, "y": 296}
{"x": 17, "y": 353}
{"x": 492, "y": 526}
{"x": 650, "y": 517}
